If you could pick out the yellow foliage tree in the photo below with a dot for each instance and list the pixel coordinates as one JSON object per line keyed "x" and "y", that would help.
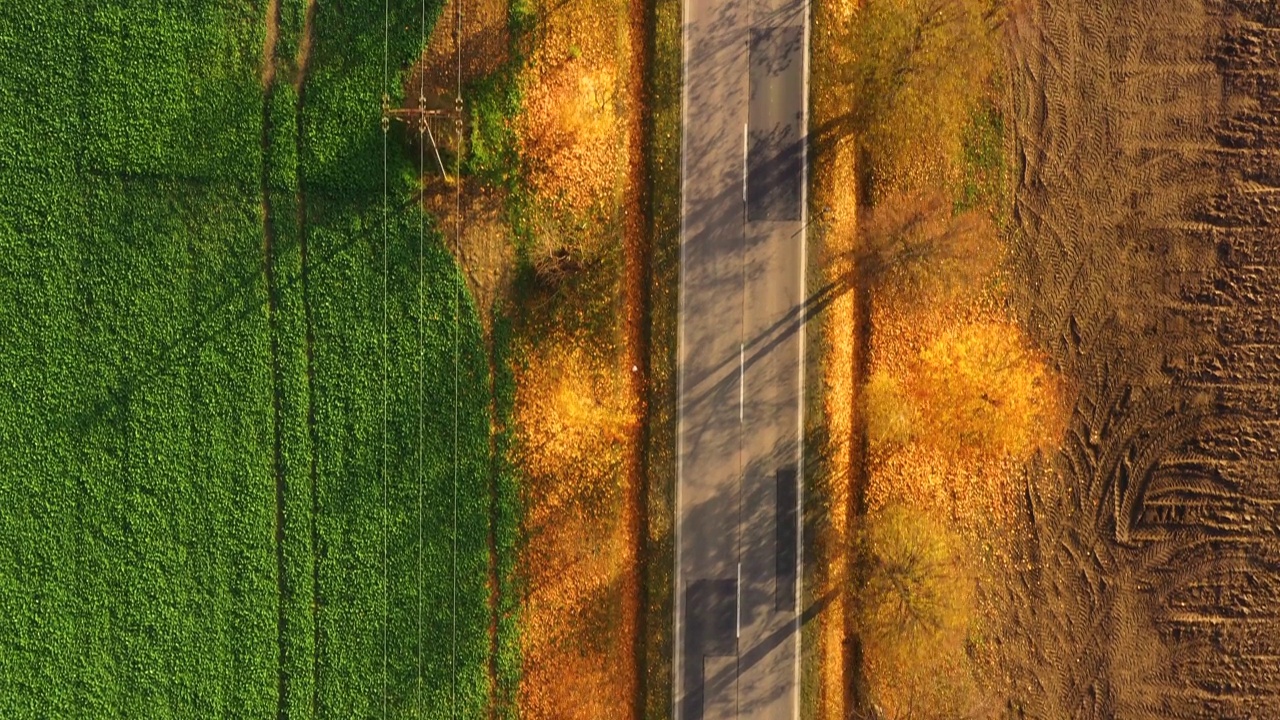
{"x": 573, "y": 414}
{"x": 892, "y": 419}
{"x": 976, "y": 391}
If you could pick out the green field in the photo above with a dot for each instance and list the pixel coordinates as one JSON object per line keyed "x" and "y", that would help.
{"x": 192, "y": 315}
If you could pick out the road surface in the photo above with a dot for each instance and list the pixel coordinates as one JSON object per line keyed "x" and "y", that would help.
{"x": 737, "y": 643}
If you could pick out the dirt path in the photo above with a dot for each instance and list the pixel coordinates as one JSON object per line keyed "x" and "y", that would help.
{"x": 303, "y": 60}
{"x": 1148, "y": 584}
{"x": 269, "y": 43}
{"x": 268, "y": 267}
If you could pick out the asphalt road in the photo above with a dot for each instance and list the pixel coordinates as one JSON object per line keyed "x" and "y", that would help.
{"x": 741, "y": 334}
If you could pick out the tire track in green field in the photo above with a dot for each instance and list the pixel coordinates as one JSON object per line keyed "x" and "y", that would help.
{"x": 268, "y": 266}
{"x": 302, "y": 64}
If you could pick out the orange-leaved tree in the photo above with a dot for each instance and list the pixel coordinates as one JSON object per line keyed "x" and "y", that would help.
{"x": 978, "y": 391}
{"x": 573, "y": 413}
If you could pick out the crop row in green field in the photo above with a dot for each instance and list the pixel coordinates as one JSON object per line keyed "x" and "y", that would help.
{"x": 195, "y": 519}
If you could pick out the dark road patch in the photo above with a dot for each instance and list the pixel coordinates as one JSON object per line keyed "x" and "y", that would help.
{"x": 788, "y": 529}
{"x": 775, "y": 141}
{"x": 710, "y": 609}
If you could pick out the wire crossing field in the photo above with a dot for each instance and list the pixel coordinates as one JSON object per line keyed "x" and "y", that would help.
{"x": 192, "y": 325}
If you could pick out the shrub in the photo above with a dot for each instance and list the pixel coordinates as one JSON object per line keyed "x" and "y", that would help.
{"x": 891, "y": 416}
{"x": 915, "y": 614}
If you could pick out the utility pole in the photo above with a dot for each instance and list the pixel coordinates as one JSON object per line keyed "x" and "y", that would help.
{"x": 424, "y": 126}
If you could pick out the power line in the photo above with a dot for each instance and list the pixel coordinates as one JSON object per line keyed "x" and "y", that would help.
{"x": 423, "y": 128}
{"x": 422, "y": 124}
{"x": 386, "y": 33}
{"x": 457, "y": 202}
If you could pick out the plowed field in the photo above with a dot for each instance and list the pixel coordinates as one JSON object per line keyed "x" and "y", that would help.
{"x": 1147, "y": 261}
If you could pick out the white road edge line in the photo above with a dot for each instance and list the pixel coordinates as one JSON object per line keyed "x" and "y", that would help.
{"x": 677, "y": 582}
{"x": 804, "y": 273}
{"x": 744, "y": 164}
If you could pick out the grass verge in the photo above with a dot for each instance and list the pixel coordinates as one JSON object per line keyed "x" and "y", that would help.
{"x": 507, "y": 514}
{"x": 833, "y": 447}
{"x": 664, "y": 132}
{"x": 902, "y": 106}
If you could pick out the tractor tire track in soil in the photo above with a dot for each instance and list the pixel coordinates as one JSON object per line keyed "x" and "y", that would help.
{"x": 268, "y": 240}
{"x": 1147, "y": 583}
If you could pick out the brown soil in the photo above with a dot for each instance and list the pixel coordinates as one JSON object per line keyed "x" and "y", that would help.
{"x": 1145, "y": 581}
{"x": 269, "y": 43}
{"x": 486, "y": 254}
{"x": 485, "y": 42}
